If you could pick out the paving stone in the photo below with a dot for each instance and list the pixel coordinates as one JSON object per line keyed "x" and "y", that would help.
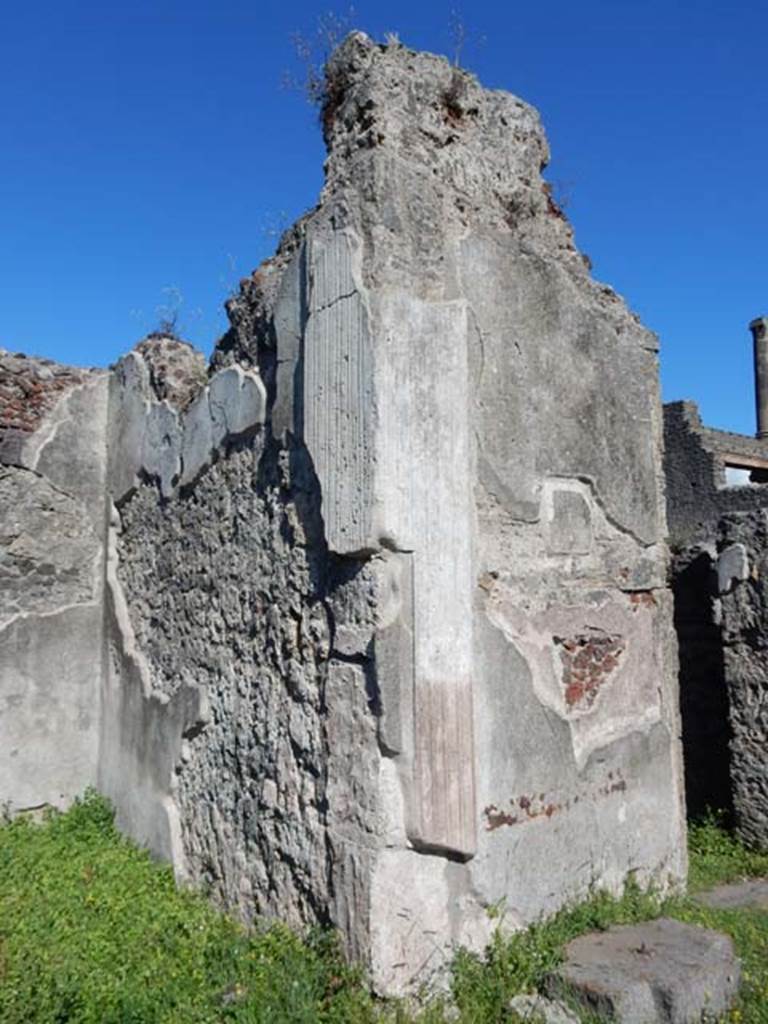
{"x": 539, "y": 1010}
{"x": 659, "y": 972}
{"x": 751, "y": 893}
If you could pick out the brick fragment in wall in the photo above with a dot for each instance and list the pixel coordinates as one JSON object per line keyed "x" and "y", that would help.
{"x": 588, "y": 661}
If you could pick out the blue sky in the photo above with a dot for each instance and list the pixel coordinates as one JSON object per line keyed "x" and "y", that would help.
{"x": 149, "y": 155}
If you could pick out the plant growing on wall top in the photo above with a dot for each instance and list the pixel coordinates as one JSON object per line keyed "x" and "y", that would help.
{"x": 312, "y": 52}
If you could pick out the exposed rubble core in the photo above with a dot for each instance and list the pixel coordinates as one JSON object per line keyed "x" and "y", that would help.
{"x": 386, "y": 625}
{"x": 232, "y": 590}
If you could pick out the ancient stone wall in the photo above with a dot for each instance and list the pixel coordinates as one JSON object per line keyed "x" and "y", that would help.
{"x": 387, "y": 638}
{"x": 484, "y": 423}
{"x": 229, "y": 588}
{"x": 52, "y": 501}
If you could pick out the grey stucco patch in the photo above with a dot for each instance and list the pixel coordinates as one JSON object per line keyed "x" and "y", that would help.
{"x": 48, "y": 547}
{"x": 51, "y": 589}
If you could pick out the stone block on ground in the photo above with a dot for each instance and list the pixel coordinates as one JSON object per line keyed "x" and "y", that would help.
{"x": 659, "y": 972}
{"x": 751, "y": 893}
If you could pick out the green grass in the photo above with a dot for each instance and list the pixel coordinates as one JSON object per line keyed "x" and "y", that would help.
{"x": 716, "y": 857}
{"x": 93, "y": 932}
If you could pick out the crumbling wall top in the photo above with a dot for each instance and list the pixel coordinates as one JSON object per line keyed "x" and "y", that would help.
{"x": 177, "y": 371}
{"x": 480, "y": 151}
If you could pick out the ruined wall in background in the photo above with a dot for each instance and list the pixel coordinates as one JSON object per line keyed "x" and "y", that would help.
{"x": 52, "y": 501}
{"x": 742, "y": 544}
{"x": 719, "y": 538}
{"x": 720, "y": 613}
{"x": 695, "y": 459}
{"x": 704, "y": 706}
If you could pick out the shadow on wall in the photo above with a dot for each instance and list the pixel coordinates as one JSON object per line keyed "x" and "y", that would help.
{"x": 703, "y": 689}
